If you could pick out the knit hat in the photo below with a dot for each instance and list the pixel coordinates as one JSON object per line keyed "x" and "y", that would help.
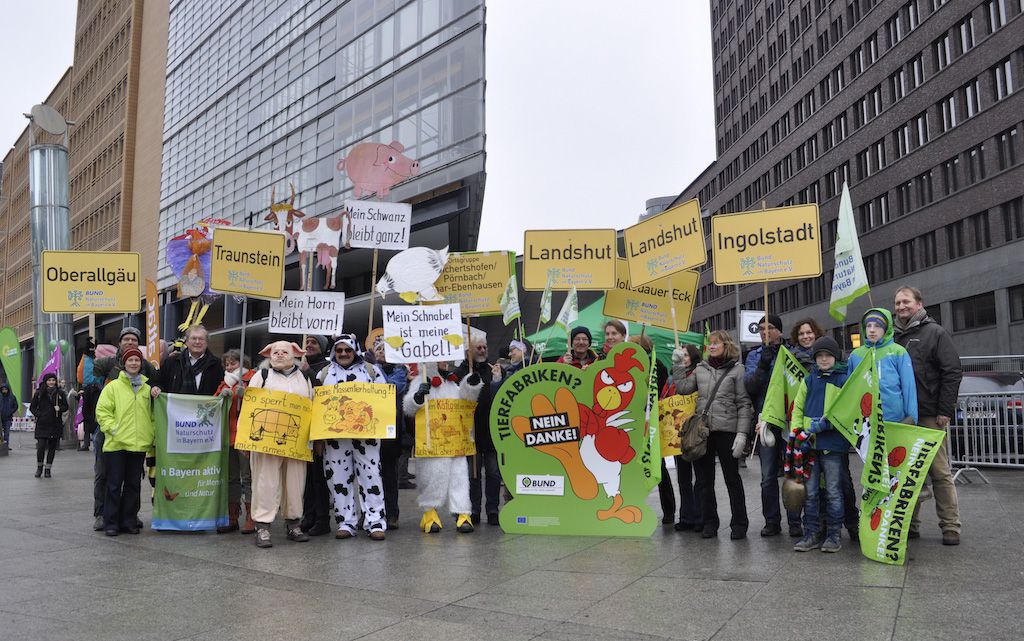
{"x": 47, "y": 376}
{"x": 775, "y": 321}
{"x": 321, "y": 341}
{"x": 132, "y": 351}
{"x": 581, "y": 329}
{"x": 877, "y": 317}
{"x": 827, "y": 344}
{"x": 520, "y": 345}
{"x": 349, "y": 340}
{"x": 134, "y": 331}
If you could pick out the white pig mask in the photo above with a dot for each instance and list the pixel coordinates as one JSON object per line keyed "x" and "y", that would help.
{"x": 282, "y": 354}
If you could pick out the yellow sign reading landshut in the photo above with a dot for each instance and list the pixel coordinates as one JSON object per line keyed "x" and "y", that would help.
{"x": 249, "y": 263}
{"x": 665, "y": 244}
{"x": 476, "y": 281}
{"x": 88, "y": 282}
{"x": 771, "y": 244}
{"x": 649, "y": 303}
{"x": 581, "y": 257}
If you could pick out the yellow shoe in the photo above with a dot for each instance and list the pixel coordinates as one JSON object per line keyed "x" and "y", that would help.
{"x": 431, "y": 522}
{"x": 464, "y": 524}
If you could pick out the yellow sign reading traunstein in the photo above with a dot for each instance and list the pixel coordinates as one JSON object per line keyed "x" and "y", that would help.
{"x": 670, "y": 242}
{"x": 581, "y": 257}
{"x": 771, "y": 244}
{"x": 249, "y": 263}
{"x": 89, "y": 282}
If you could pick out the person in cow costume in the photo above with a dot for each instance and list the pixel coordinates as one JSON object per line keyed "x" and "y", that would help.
{"x": 443, "y": 477}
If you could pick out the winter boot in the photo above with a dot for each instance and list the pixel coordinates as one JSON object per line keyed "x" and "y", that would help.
{"x": 248, "y": 527}
{"x": 811, "y": 541}
{"x": 46, "y": 472}
{"x": 464, "y": 524}
{"x": 39, "y": 471}
{"x": 263, "y": 535}
{"x": 295, "y": 533}
{"x": 832, "y": 543}
{"x": 233, "y": 511}
{"x": 431, "y": 522}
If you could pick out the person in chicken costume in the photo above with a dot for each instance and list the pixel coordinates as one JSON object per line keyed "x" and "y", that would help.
{"x": 443, "y": 477}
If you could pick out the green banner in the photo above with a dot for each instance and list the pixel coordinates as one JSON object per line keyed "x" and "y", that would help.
{"x": 10, "y": 357}
{"x": 579, "y": 449}
{"x": 885, "y": 516}
{"x": 650, "y": 456}
{"x": 851, "y": 414}
{"x": 192, "y": 462}
{"x": 787, "y": 375}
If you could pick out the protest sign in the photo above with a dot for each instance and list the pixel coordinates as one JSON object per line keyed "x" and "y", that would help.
{"x": 650, "y": 304}
{"x": 273, "y": 422}
{"x": 88, "y": 282}
{"x": 672, "y": 413}
{"x": 423, "y": 333}
{"x": 787, "y": 376}
{"x": 451, "y": 428}
{"x": 377, "y": 225}
{"x": 584, "y": 258}
{"x": 248, "y": 263}
{"x": 665, "y": 244}
{"x": 770, "y": 244}
{"x": 475, "y": 281}
{"x": 152, "y": 324}
{"x": 191, "y": 491}
{"x": 300, "y": 312}
{"x": 353, "y": 410}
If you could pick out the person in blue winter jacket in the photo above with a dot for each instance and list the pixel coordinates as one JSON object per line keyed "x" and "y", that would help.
{"x": 829, "y": 446}
{"x": 896, "y": 382}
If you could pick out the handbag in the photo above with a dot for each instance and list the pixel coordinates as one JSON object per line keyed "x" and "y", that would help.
{"x": 693, "y": 435}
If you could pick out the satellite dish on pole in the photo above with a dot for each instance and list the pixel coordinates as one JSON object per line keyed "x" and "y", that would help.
{"x": 49, "y": 120}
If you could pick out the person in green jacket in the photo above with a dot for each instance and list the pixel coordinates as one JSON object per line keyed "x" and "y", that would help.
{"x": 124, "y": 413}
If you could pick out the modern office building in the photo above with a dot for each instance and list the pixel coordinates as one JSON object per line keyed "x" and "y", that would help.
{"x": 263, "y": 96}
{"x": 917, "y": 105}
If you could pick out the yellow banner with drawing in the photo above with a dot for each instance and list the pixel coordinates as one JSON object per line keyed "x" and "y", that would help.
{"x": 353, "y": 410}
{"x": 451, "y": 428}
{"x": 273, "y": 422}
{"x": 672, "y": 412}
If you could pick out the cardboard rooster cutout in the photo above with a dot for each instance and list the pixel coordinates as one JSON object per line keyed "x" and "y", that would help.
{"x": 574, "y": 447}
{"x": 188, "y": 255}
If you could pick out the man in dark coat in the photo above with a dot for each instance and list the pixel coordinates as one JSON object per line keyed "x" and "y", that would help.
{"x": 8, "y": 408}
{"x": 486, "y": 459}
{"x": 195, "y": 371}
{"x": 316, "y": 498}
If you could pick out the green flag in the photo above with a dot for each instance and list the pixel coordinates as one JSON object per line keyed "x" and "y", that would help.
{"x": 787, "y": 375}
{"x": 545, "y": 301}
{"x": 857, "y": 413}
{"x": 570, "y": 311}
{"x": 10, "y": 357}
{"x": 651, "y": 453}
{"x": 510, "y": 301}
{"x": 849, "y": 280}
{"x": 192, "y": 441}
{"x": 885, "y": 515}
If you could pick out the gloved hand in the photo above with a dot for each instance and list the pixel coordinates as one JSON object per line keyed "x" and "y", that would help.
{"x": 739, "y": 444}
{"x": 474, "y": 379}
{"x": 421, "y": 393}
{"x": 817, "y": 425}
{"x": 677, "y": 356}
{"x": 768, "y": 353}
{"x": 226, "y": 392}
{"x": 764, "y": 431}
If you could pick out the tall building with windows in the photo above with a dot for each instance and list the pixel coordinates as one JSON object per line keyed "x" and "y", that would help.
{"x": 916, "y": 104}
{"x": 264, "y": 95}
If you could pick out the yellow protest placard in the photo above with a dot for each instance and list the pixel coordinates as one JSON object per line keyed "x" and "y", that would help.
{"x": 451, "y": 428}
{"x": 649, "y": 304}
{"x": 475, "y": 281}
{"x": 672, "y": 412}
{"x": 273, "y": 422}
{"x": 248, "y": 263}
{"x": 665, "y": 244}
{"x": 581, "y": 257}
{"x": 88, "y": 282}
{"x": 771, "y": 244}
{"x": 353, "y": 410}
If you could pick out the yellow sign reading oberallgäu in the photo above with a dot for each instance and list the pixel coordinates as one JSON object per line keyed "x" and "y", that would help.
{"x": 665, "y": 244}
{"x": 771, "y": 244}
{"x": 249, "y": 263}
{"x": 581, "y": 257}
{"x": 649, "y": 303}
{"x": 89, "y": 282}
{"x": 476, "y": 281}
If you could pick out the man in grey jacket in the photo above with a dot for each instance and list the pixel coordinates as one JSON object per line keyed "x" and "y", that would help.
{"x": 938, "y": 373}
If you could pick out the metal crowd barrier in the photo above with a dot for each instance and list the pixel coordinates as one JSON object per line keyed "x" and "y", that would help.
{"x": 987, "y": 431}
{"x": 997, "y": 363}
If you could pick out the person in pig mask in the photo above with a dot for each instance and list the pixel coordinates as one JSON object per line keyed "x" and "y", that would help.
{"x": 278, "y": 481}
{"x": 443, "y": 477}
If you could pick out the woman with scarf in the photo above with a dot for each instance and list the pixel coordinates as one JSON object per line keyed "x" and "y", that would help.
{"x": 48, "y": 406}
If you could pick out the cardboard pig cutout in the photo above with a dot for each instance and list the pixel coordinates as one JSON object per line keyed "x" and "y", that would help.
{"x": 573, "y": 447}
{"x": 374, "y": 168}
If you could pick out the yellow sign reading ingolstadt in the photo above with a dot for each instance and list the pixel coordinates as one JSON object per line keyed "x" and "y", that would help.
{"x": 249, "y": 263}
{"x": 649, "y": 304}
{"x": 353, "y": 410}
{"x": 771, "y": 244}
{"x": 665, "y": 244}
{"x": 581, "y": 257}
{"x": 273, "y": 422}
{"x": 88, "y": 282}
{"x": 451, "y": 428}
{"x": 476, "y": 281}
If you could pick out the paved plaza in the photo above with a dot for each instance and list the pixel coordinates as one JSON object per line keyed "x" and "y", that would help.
{"x": 60, "y": 580}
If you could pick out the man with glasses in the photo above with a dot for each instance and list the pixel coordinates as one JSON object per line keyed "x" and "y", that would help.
{"x": 195, "y": 371}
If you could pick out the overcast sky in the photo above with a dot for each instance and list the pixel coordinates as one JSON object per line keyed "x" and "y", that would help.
{"x": 589, "y": 112}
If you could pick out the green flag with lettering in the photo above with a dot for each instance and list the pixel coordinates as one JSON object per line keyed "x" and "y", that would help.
{"x": 857, "y": 414}
{"x": 10, "y": 356}
{"x": 787, "y": 375}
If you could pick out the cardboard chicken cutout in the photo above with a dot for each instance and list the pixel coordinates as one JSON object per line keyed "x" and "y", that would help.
{"x": 571, "y": 444}
{"x": 412, "y": 273}
{"x": 188, "y": 255}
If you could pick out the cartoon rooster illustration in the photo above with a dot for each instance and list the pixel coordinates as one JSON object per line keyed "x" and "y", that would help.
{"x": 604, "y": 448}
